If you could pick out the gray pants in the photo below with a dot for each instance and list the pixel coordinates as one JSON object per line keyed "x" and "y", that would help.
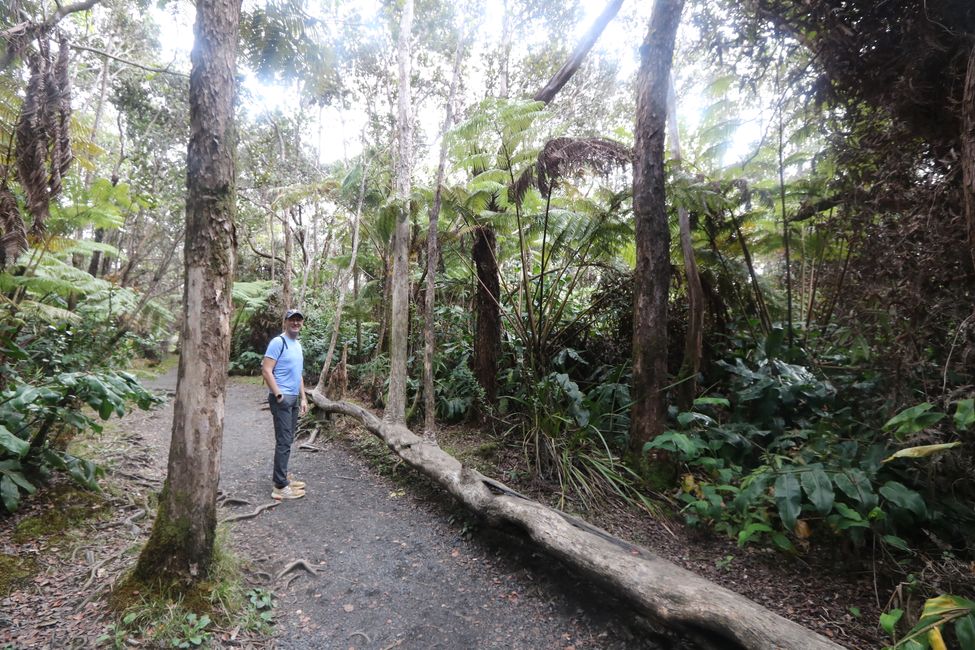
{"x": 285, "y": 415}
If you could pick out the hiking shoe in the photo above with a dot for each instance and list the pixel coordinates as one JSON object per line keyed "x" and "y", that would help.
{"x": 295, "y": 483}
{"x": 287, "y": 492}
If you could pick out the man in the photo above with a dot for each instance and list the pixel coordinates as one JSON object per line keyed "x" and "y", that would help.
{"x": 282, "y": 372}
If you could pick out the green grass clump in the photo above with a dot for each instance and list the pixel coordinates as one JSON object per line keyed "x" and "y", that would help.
{"x": 190, "y": 616}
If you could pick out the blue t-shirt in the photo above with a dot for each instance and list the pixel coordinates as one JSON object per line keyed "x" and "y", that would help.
{"x": 287, "y": 370}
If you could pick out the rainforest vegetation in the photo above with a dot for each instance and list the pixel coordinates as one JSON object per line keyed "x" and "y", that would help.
{"x": 469, "y": 248}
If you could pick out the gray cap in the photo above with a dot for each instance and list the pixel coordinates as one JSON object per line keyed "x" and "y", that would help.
{"x": 291, "y": 313}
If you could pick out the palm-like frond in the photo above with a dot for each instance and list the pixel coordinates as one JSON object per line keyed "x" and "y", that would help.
{"x": 47, "y": 313}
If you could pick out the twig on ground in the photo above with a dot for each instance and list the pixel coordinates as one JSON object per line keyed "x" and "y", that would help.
{"x": 94, "y": 569}
{"x": 297, "y": 564}
{"x": 347, "y": 478}
{"x": 234, "y": 502}
{"x": 250, "y": 515}
{"x": 362, "y": 634}
{"x": 131, "y": 519}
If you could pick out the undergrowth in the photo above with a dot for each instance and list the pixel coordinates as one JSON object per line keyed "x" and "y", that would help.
{"x": 211, "y": 613}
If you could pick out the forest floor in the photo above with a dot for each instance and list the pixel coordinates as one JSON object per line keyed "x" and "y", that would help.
{"x": 374, "y": 556}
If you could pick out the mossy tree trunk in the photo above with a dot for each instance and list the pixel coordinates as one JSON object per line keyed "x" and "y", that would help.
{"x": 180, "y": 547}
{"x": 649, "y": 413}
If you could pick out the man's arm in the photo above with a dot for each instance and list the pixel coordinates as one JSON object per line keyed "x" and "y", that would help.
{"x": 304, "y": 399}
{"x": 267, "y": 371}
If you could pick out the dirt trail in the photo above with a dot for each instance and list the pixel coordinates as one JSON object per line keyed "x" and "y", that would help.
{"x": 394, "y": 566}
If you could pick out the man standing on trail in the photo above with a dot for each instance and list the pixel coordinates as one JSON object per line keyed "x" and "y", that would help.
{"x": 282, "y": 371}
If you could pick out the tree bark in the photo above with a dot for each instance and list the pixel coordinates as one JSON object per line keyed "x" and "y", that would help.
{"x": 649, "y": 413}
{"x": 180, "y": 547}
{"x": 968, "y": 152}
{"x": 709, "y": 613}
{"x": 399, "y": 318}
{"x": 487, "y": 337}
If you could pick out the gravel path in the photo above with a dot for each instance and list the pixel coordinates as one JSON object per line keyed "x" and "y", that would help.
{"x": 394, "y": 565}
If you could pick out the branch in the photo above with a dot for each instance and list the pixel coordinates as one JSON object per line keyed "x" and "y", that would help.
{"x": 250, "y": 244}
{"x": 582, "y": 49}
{"x": 27, "y": 28}
{"x": 127, "y": 61}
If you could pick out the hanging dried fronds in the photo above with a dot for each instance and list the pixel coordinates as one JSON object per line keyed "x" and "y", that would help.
{"x": 43, "y": 143}
{"x": 562, "y": 157}
{"x": 516, "y": 193}
{"x": 59, "y": 107}
{"x": 13, "y": 232}
{"x": 32, "y": 144}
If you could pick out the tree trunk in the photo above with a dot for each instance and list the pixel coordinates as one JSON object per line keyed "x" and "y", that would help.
{"x": 968, "y": 152}
{"x": 487, "y": 301}
{"x": 649, "y": 414}
{"x": 706, "y": 612}
{"x": 433, "y": 256}
{"x": 503, "y": 65}
{"x": 180, "y": 547}
{"x": 344, "y": 283}
{"x": 399, "y": 318}
{"x": 288, "y": 254}
{"x": 694, "y": 339}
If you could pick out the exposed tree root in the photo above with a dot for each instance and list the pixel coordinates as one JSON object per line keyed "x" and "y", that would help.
{"x": 664, "y": 592}
{"x": 297, "y": 564}
{"x": 250, "y": 515}
{"x": 233, "y": 501}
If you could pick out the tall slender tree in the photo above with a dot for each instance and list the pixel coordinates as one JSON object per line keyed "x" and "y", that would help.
{"x": 399, "y": 317}
{"x": 433, "y": 255}
{"x": 180, "y": 547}
{"x": 649, "y": 412}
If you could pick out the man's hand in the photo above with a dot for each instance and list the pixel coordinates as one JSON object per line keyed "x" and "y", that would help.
{"x": 304, "y": 406}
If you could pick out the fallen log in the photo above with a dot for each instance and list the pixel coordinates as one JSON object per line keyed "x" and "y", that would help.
{"x": 655, "y": 587}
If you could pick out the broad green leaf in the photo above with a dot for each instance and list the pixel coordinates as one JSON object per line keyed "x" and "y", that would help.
{"x": 921, "y": 451}
{"x": 750, "y": 531}
{"x": 752, "y": 486}
{"x": 913, "y": 419}
{"x": 675, "y": 441}
{"x": 965, "y": 414}
{"x": 904, "y": 497}
{"x": 22, "y": 481}
{"x": 712, "y": 401}
{"x": 16, "y": 446}
{"x": 847, "y": 511}
{"x": 691, "y": 416}
{"x": 819, "y": 489}
{"x": 9, "y": 493}
{"x": 855, "y": 484}
{"x": 965, "y": 631}
{"x": 896, "y": 542}
{"x": 888, "y": 620}
{"x": 788, "y": 498}
{"x": 782, "y": 542}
